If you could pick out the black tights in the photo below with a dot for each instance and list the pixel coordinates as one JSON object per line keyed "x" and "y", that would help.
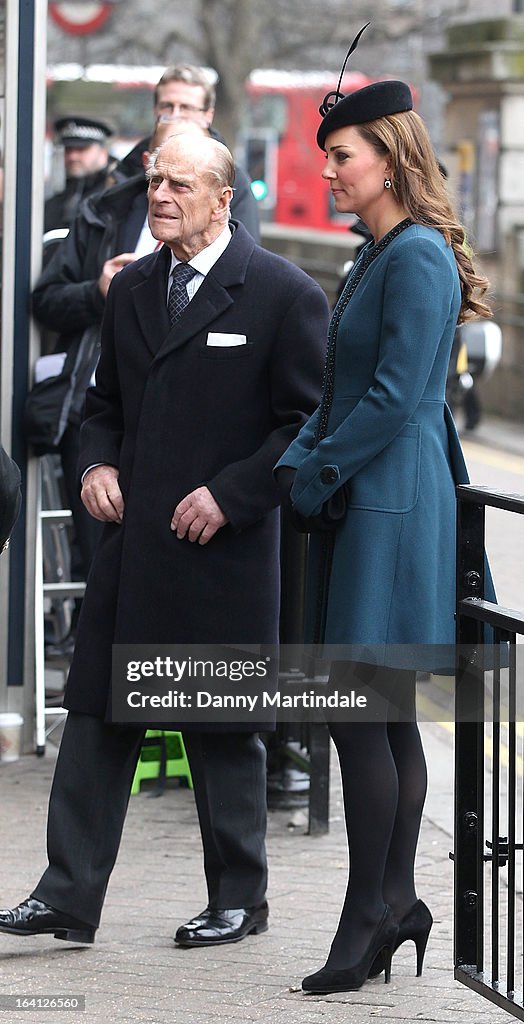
{"x": 384, "y": 784}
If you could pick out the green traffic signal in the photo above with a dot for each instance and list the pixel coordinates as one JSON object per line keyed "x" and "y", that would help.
{"x": 259, "y": 189}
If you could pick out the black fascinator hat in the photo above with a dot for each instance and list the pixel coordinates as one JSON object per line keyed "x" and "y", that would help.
{"x": 367, "y": 104}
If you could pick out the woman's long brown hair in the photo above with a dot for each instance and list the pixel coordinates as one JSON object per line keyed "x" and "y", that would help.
{"x": 418, "y": 185}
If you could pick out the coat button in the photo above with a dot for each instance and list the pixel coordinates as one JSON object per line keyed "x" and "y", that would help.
{"x": 328, "y": 475}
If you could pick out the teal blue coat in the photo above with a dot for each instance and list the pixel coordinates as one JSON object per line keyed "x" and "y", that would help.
{"x": 391, "y": 437}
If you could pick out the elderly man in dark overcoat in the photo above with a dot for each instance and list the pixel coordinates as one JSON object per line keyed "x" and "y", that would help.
{"x": 183, "y": 428}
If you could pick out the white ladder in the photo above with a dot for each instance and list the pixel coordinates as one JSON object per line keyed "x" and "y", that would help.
{"x": 61, "y": 589}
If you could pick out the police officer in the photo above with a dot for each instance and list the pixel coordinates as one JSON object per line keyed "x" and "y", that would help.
{"x": 86, "y": 163}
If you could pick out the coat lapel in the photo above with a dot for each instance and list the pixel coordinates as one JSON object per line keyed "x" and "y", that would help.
{"x": 212, "y": 298}
{"x": 150, "y": 299}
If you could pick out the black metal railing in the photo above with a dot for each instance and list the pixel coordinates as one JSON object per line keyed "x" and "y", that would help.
{"x": 489, "y": 798}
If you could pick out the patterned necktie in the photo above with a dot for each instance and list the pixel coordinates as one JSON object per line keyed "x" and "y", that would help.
{"x": 178, "y": 298}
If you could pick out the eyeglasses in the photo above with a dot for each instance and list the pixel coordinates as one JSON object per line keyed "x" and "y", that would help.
{"x": 180, "y": 108}
{"x": 171, "y": 119}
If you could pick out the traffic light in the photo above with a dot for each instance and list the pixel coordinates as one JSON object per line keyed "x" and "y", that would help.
{"x": 259, "y": 189}
{"x": 258, "y": 167}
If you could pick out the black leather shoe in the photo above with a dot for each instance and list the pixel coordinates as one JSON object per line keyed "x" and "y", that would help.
{"x": 217, "y": 927}
{"x": 32, "y": 917}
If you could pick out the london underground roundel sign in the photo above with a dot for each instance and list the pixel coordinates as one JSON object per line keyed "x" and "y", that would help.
{"x": 79, "y": 17}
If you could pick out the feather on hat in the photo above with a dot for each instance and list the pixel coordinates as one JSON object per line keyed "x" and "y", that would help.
{"x": 367, "y": 104}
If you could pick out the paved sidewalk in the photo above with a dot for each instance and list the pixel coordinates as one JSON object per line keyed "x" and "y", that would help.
{"x": 134, "y": 973}
{"x": 505, "y": 435}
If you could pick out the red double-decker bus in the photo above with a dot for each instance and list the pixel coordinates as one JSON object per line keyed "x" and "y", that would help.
{"x": 279, "y": 151}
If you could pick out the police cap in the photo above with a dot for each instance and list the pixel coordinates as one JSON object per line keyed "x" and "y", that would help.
{"x": 81, "y": 131}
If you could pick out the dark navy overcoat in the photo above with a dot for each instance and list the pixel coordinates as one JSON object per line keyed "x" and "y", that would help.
{"x": 173, "y": 413}
{"x": 391, "y": 437}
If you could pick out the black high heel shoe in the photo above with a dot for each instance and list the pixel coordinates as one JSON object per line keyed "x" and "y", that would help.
{"x": 415, "y": 925}
{"x": 349, "y": 979}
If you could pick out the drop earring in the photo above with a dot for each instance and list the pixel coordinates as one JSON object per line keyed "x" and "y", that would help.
{"x": 387, "y": 182}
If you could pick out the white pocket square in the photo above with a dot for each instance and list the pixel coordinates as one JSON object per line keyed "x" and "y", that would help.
{"x": 226, "y": 340}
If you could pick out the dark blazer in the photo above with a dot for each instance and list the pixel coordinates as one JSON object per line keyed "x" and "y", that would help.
{"x": 173, "y": 412}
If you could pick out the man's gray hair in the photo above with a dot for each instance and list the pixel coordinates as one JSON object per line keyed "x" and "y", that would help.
{"x": 221, "y": 171}
{"x": 224, "y": 169}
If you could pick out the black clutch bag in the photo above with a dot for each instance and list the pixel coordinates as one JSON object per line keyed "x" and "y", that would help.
{"x": 331, "y": 514}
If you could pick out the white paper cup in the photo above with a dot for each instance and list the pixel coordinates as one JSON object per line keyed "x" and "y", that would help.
{"x": 10, "y": 735}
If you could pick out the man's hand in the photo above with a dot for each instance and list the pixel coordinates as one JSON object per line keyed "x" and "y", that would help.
{"x": 198, "y": 516}
{"x": 101, "y": 494}
{"x": 111, "y": 267}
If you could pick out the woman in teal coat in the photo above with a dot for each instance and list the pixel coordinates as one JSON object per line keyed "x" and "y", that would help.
{"x": 384, "y": 581}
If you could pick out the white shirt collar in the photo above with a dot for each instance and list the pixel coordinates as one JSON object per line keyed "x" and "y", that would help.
{"x": 206, "y": 258}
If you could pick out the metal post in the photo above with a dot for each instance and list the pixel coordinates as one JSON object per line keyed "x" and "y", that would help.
{"x": 26, "y": 32}
{"x": 469, "y": 742}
